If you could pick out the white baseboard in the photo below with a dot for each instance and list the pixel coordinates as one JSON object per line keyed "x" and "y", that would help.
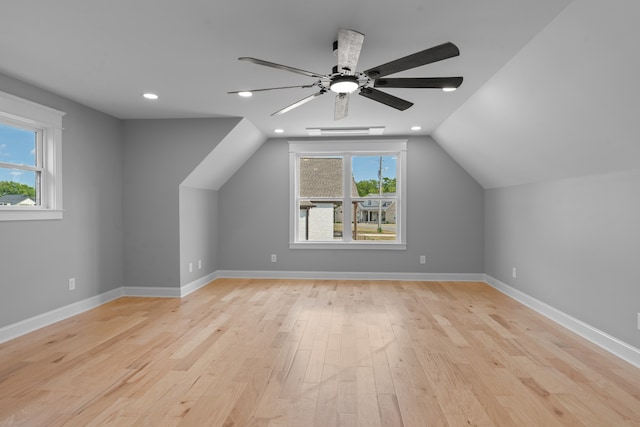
{"x": 157, "y": 292}
{"x": 602, "y": 339}
{"x": 346, "y": 275}
{"x": 170, "y": 292}
{"x": 197, "y": 284}
{"x": 40, "y": 321}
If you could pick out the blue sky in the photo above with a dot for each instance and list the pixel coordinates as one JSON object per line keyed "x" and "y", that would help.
{"x": 17, "y": 146}
{"x": 366, "y": 167}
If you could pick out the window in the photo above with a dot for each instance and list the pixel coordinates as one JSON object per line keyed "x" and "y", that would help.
{"x": 347, "y": 194}
{"x": 30, "y": 182}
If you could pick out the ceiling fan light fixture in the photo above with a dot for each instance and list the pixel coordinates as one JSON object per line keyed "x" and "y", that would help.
{"x": 344, "y": 84}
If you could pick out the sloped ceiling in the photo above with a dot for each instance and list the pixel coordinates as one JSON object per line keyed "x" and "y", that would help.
{"x": 567, "y": 105}
{"x": 226, "y": 157}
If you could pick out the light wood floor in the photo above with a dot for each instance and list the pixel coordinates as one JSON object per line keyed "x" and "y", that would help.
{"x": 315, "y": 353}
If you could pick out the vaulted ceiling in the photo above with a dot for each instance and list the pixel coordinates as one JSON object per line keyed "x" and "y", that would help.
{"x": 566, "y": 105}
{"x": 549, "y": 86}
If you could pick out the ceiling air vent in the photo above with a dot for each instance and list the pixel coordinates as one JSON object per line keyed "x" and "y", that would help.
{"x": 378, "y": 130}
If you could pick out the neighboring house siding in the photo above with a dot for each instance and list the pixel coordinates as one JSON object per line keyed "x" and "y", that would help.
{"x": 368, "y": 209}
{"x": 321, "y": 221}
{"x": 16, "y": 200}
{"x": 390, "y": 213}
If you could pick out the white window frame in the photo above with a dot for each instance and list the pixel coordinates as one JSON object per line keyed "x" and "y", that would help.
{"x": 347, "y": 149}
{"x": 47, "y": 123}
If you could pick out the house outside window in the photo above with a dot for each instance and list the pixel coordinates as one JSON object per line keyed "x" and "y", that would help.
{"x": 30, "y": 160}
{"x": 348, "y": 194}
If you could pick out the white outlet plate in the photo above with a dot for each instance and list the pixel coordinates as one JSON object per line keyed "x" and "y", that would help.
{"x": 190, "y": 267}
{"x": 423, "y": 259}
{"x": 638, "y": 320}
{"x": 274, "y": 258}
{"x": 199, "y": 264}
{"x": 72, "y": 284}
{"x": 513, "y": 272}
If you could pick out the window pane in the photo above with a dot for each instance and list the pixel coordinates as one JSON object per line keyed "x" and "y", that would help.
{"x": 17, "y": 146}
{"x": 18, "y": 187}
{"x": 375, "y": 220}
{"x": 371, "y": 171}
{"x": 320, "y": 221}
{"x": 321, "y": 177}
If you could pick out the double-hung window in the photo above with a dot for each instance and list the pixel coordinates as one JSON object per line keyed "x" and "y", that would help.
{"x": 347, "y": 194}
{"x": 30, "y": 164}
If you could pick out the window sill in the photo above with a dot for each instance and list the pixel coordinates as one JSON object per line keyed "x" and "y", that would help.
{"x": 349, "y": 245}
{"x": 30, "y": 214}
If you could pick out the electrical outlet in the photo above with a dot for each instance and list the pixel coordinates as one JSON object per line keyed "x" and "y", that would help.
{"x": 72, "y": 284}
{"x": 199, "y": 264}
{"x": 513, "y": 272}
{"x": 190, "y": 267}
{"x": 423, "y": 259}
{"x": 638, "y": 320}
{"x": 274, "y": 258}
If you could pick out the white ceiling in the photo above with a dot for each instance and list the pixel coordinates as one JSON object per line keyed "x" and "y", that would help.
{"x": 550, "y": 86}
{"x": 105, "y": 54}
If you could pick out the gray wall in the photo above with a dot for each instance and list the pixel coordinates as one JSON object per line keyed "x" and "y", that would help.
{"x": 198, "y": 233}
{"x": 37, "y": 258}
{"x": 444, "y": 216}
{"x": 158, "y": 155}
{"x": 575, "y": 244}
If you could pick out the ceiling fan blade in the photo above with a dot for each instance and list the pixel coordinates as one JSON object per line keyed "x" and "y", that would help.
{"x": 385, "y": 98}
{"x": 298, "y": 103}
{"x": 349, "y": 46}
{"x": 281, "y": 67}
{"x": 342, "y": 106}
{"x": 427, "y": 56}
{"x": 420, "y": 82}
{"x": 272, "y": 88}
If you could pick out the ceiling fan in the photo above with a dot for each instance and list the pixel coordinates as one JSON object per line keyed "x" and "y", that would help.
{"x": 345, "y": 80}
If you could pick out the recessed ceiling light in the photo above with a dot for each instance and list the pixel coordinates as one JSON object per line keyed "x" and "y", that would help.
{"x": 448, "y": 89}
{"x": 416, "y": 127}
{"x": 245, "y": 94}
{"x": 150, "y": 95}
{"x": 278, "y": 130}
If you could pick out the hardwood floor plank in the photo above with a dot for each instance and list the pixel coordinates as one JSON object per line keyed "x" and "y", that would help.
{"x": 389, "y": 410}
{"x": 251, "y": 352}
